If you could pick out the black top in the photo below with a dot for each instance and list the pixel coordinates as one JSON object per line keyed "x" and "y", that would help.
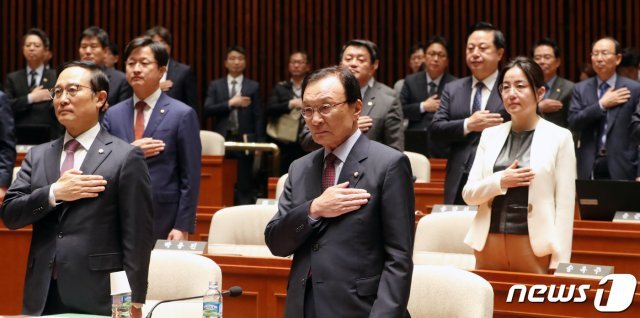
{"x": 509, "y": 211}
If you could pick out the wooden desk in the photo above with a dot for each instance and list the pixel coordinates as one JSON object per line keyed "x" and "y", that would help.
{"x": 217, "y": 179}
{"x": 438, "y": 170}
{"x": 14, "y": 248}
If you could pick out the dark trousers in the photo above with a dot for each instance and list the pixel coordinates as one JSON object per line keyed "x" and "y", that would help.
{"x": 601, "y": 168}
{"x": 54, "y": 304}
{"x": 309, "y": 304}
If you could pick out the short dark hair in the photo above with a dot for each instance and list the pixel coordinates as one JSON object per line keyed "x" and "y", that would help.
{"x": 236, "y": 48}
{"x": 550, "y": 43}
{"x": 94, "y": 31}
{"x": 630, "y": 58}
{"x": 616, "y": 44}
{"x": 114, "y": 48}
{"x": 531, "y": 69}
{"x": 99, "y": 80}
{"x": 303, "y": 52}
{"x": 498, "y": 37}
{"x": 346, "y": 77}
{"x": 39, "y": 33}
{"x": 162, "y": 32}
{"x": 371, "y": 47}
{"x": 415, "y": 47}
{"x": 439, "y": 39}
{"x": 159, "y": 52}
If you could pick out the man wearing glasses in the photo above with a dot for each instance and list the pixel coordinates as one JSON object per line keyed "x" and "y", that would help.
{"x": 601, "y": 111}
{"x": 167, "y": 130}
{"x": 88, "y": 197}
{"x": 346, "y": 213}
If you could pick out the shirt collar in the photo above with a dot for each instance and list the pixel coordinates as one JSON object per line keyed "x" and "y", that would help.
{"x": 436, "y": 80}
{"x": 86, "y": 138}
{"x": 488, "y": 82}
{"x": 611, "y": 81}
{"x": 238, "y": 79}
{"x": 342, "y": 151}
{"x": 151, "y": 100}
{"x": 551, "y": 82}
{"x": 39, "y": 69}
{"x": 363, "y": 90}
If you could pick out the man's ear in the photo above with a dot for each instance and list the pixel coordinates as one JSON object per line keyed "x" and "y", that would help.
{"x": 102, "y": 100}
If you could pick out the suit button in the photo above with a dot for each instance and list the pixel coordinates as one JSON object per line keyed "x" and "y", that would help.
{"x": 302, "y": 281}
{"x": 50, "y": 264}
{"x": 315, "y": 247}
{"x": 60, "y": 235}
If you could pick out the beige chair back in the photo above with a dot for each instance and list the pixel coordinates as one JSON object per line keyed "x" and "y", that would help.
{"x": 443, "y": 291}
{"x": 15, "y": 173}
{"x": 180, "y": 274}
{"x": 280, "y": 185}
{"x": 420, "y": 166}
{"x": 212, "y": 143}
{"x": 439, "y": 240}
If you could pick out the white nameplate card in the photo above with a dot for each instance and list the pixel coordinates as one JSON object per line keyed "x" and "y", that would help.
{"x": 627, "y": 217}
{"x": 184, "y": 246}
{"x": 438, "y": 208}
{"x": 583, "y": 270}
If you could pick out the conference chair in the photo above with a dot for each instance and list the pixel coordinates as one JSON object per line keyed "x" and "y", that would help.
{"x": 239, "y": 230}
{"x": 448, "y": 292}
{"x": 174, "y": 275}
{"x": 439, "y": 240}
{"x": 212, "y": 143}
{"x": 280, "y": 185}
{"x": 420, "y": 166}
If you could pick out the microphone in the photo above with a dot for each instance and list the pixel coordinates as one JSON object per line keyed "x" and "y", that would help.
{"x": 234, "y": 291}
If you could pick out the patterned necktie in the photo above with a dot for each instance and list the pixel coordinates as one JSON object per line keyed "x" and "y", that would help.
{"x": 329, "y": 173}
{"x": 602, "y": 136}
{"x": 33, "y": 74}
{"x": 70, "y": 149}
{"x": 139, "y": 128}
{"x": 477, "y": 99}
{"x": 433, "y": 89}
{"x": 233, "y": 116}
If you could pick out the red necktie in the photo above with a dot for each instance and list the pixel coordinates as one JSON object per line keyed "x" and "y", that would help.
{"x": 329, "y": 173}
{"x": 139, "y": 129}
{"x": 70, "y": 149}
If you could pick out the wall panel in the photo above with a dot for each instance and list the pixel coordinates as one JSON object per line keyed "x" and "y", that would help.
{"x": 203, "y": 29}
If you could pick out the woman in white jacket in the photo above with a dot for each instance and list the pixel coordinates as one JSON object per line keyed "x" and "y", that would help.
{"x": 523, "y": 179}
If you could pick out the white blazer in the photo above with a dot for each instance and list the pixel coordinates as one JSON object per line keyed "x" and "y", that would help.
{"x": 551, "y": 193}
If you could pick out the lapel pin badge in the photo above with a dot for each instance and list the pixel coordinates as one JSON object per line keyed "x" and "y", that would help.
{"x": 370, "y": 103}
{"x": 162, "y": 111}
{"x": 100, "y": 150}
{"x": 356, "y": 174}
{"x": 558, "y": 90}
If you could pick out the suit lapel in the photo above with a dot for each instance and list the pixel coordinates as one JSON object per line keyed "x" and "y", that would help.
{"x": 369, "y": 100}
{"x": 159, "y": 112}
{"x": 556, "y": 89}
{"x": 52, "y": 165}
{"x": 466, "y": 97}
{"x": 612, "y": 113}
{"x": 99, "y": 151}
{"x": 352, "y": 170}
{"x": 23, "y": 81}
{"x": 127, "y": 121}
{"x": 494, "y": 102}
{"x": 314, "y": 179}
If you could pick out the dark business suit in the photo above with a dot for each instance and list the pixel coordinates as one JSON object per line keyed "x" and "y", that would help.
{"x": 380, "y": 103}
{"x": 34, "y": 123}
{"x": 250, "y": 124}
{"x": 7, "y": 142}
{"x": 119, "y": 88}
{"x": 88, "y": 238}
{"x": 359, "y": 263}
{"x": 414, "y": 91}
{"x": 585, "y": 115}
{"x": 448, "y": 127}
{"x": 184, "y": 83}
{"x": 561, "y": 91}
{"x": 175, "y": 172}
{"x": 278, "y": 105}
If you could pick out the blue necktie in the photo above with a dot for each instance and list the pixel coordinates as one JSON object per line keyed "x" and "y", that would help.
{"x": 477, "y": 99}
{"x": 602, "y": 134}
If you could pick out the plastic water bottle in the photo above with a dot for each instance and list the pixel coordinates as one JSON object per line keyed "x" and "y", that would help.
{"x": 212, "y": 301}
{"x": 121, "y": 305}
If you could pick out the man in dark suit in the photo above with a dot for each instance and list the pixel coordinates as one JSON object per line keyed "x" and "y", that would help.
{"x": 381, "y": 117}
{"x": 27, "y": 90}
{"x": 7, "y": 145}
{"x": 234, "y": 103}
{"x": 346, "y": 213}
{"x": 179, "y": 82}
{"x": 420, "y": 98}
{"x": 468, "y": 106}
{"x": 284, "y": 107}
{"x": 167, "y": 130}
{"x": 415, "y": 63}
{"x": 601, "y": 112}
{"x": 557, "y": 97}
{"x": 89, "y": 204}
{"x": 93, "y": 48}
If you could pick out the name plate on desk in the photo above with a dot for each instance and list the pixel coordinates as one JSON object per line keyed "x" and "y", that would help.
{"x": 583, "y": 270}
{"x": 627, "y": 217}
{"x": 182, "y": 246}
{"x": 438, "y": 208}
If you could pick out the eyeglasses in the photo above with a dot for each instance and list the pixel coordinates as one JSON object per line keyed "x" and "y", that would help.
{"x": 433, "y": 55}
{"x": 143, "y": 63}
{"x": 603, "y": 53}
{"x": 323, "y": 110}
{"x": 519, "y": 87}
{"x": 543, "y": 57}
{"x": 72, "y": 90}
